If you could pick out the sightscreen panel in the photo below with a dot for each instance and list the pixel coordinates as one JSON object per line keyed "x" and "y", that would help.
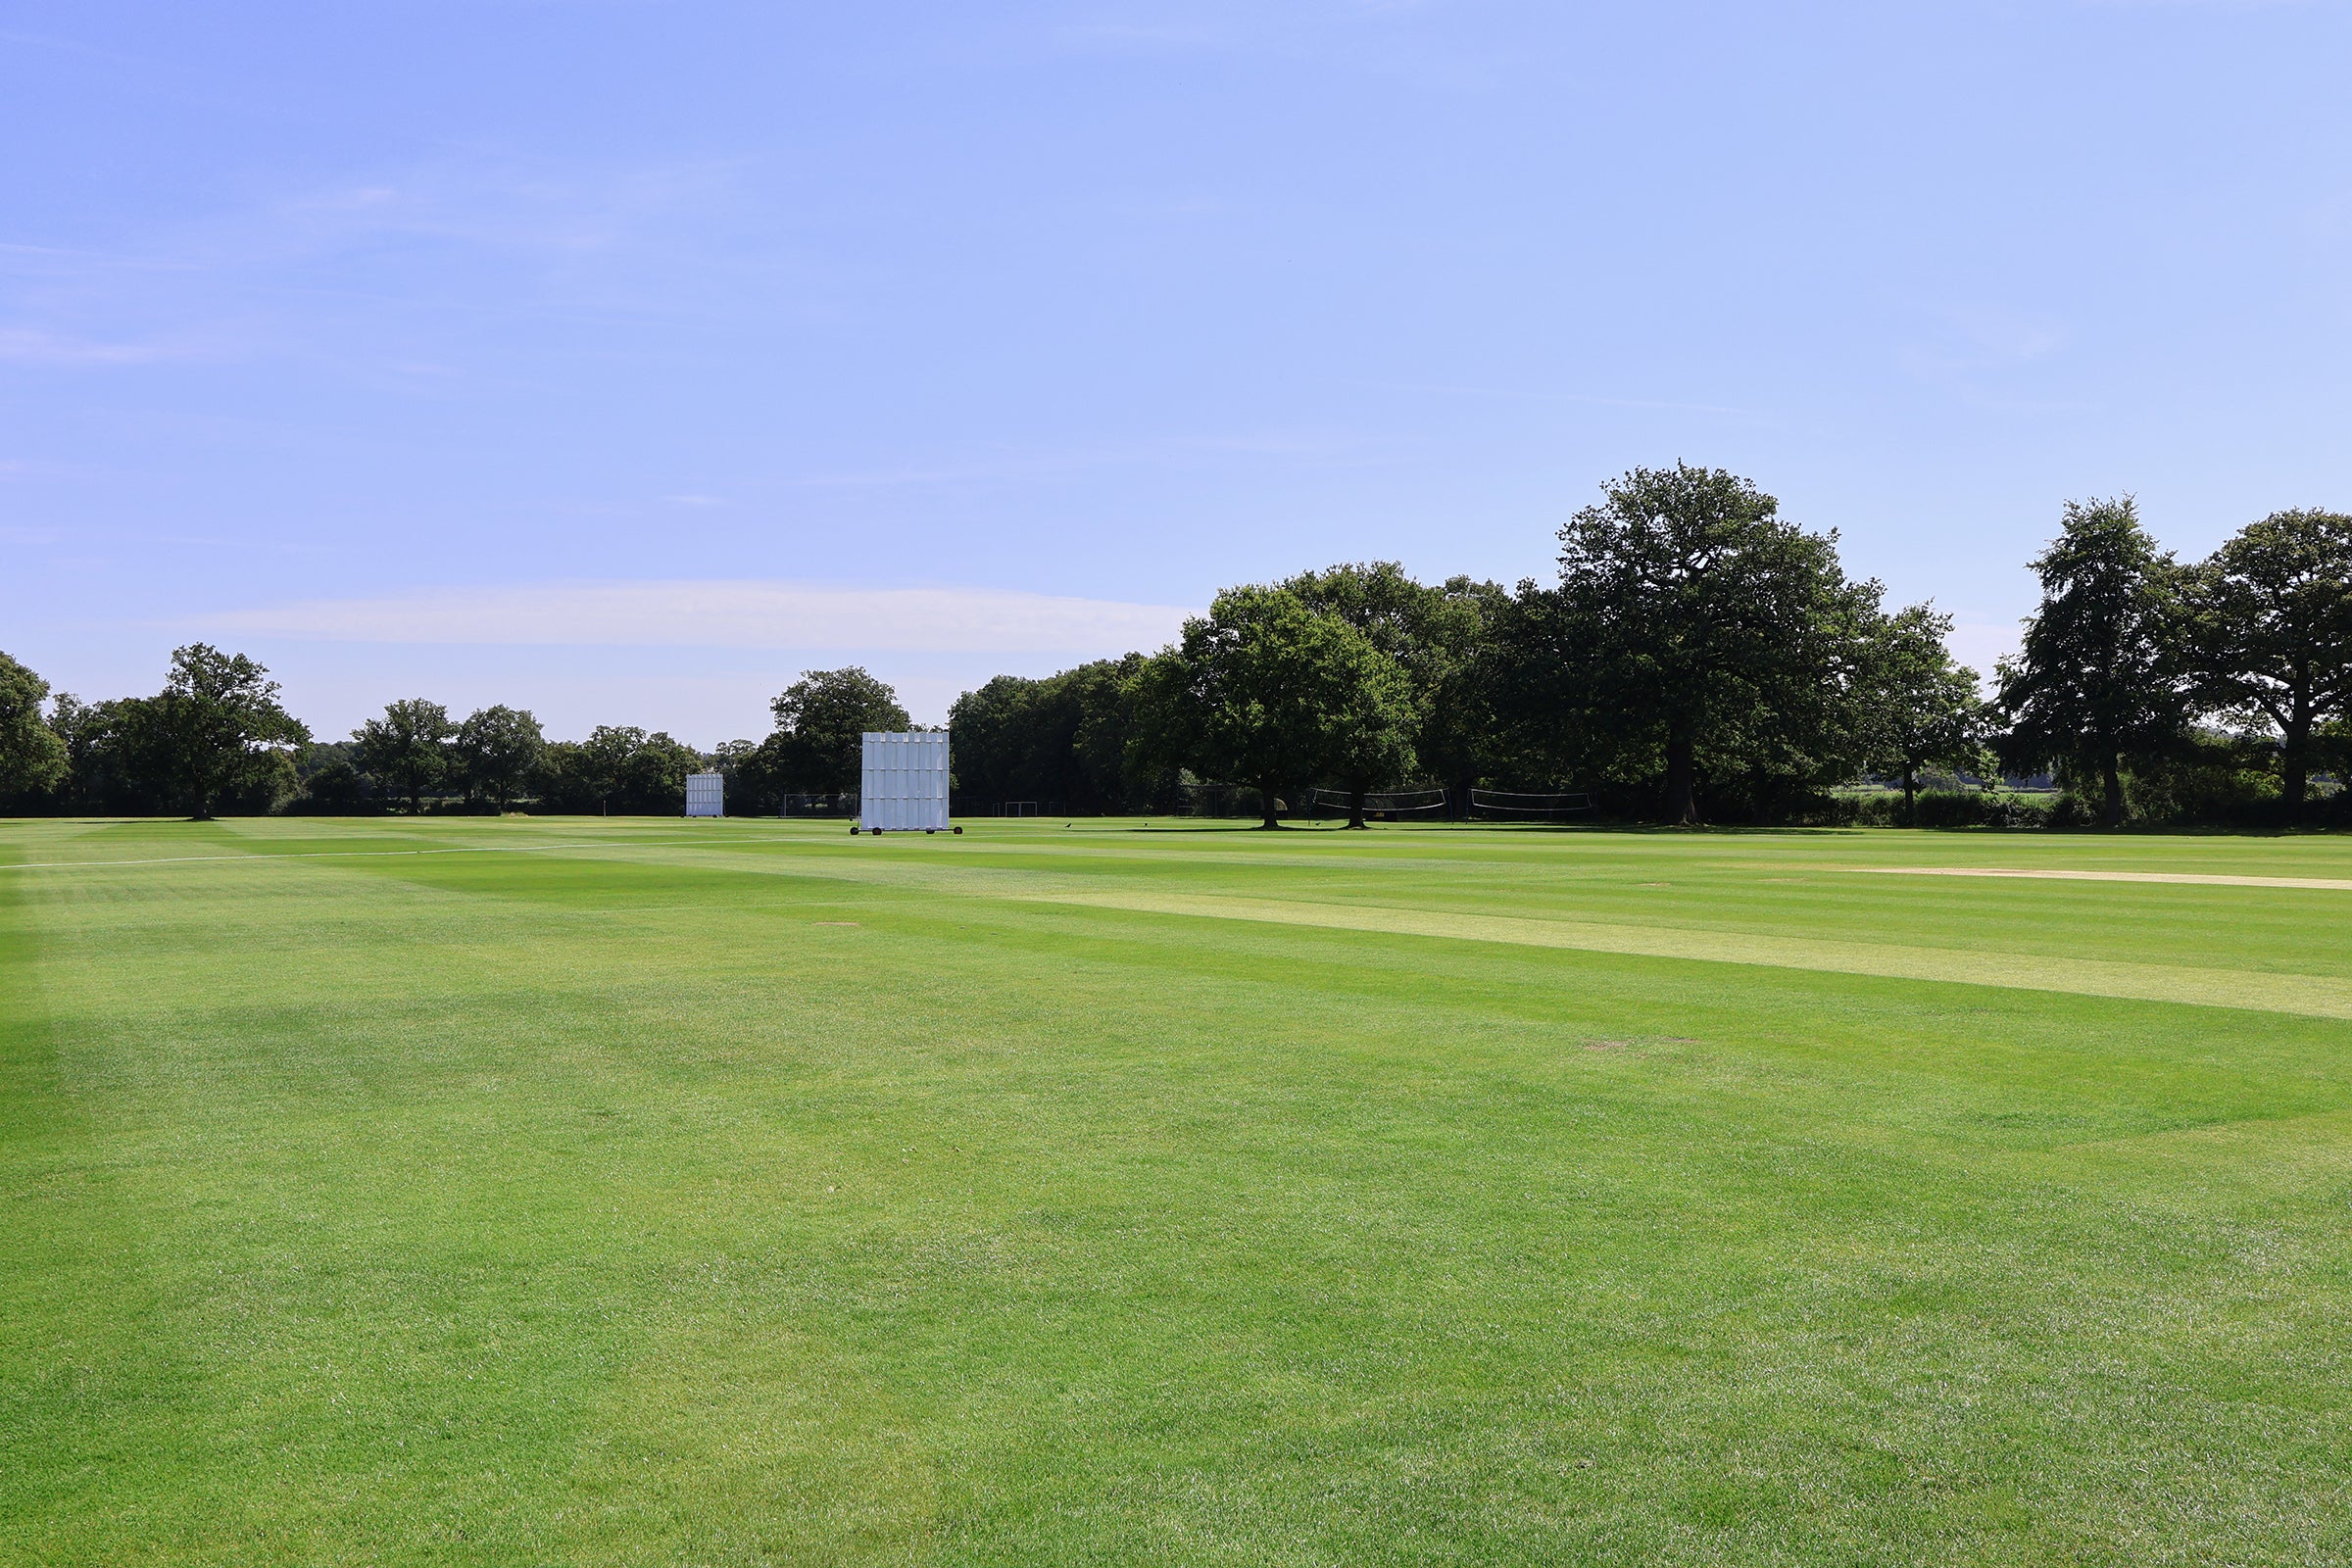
{"x": 903, "y": 783}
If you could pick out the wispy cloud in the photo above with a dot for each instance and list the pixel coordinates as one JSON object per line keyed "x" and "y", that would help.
{"x": 324, "y": 270}
{"x": 503, "y": 206}
{"x": 724, "y": 614}
{"x": 31, "y": 346}
{"x": 1391, "y": 39}
{"x": 1961, "y": 339}
{"x": 1523, "y": 395}
{"x": 1169, "y": 451}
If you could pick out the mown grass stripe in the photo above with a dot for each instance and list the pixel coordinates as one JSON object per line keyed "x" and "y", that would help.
{"x": 2311, "y": 996}
{"x": 348, "y": 855}
{"x": 2053, "y": 874}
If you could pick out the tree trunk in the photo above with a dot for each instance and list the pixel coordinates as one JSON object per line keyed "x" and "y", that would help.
{"x": 2112, "y": 778}
{"x": 2294, "y": 766}
{"x": 1910, "y": 796}
{"x": 1265, "y": 802}
{"x": 1355, "y": 807}
{"x": 1682, "y": 774}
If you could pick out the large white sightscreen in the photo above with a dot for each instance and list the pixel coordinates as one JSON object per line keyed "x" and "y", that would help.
{"x": 904, "y": 785}
{"x": 706, "y": 794}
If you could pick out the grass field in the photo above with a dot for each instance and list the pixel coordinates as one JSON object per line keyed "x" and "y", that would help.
{"x": 645, "y": 1191}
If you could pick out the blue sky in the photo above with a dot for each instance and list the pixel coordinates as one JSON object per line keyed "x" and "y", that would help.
{"x": 621, "y": 360}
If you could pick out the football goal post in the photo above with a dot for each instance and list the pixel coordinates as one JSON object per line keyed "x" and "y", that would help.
{"x": 1520, "y": 806}
{"x": 1392, "y": 805}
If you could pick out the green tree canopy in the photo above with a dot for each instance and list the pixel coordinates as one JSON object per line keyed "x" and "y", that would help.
{"x": 2269, "y": 618}
{"x": 1269, "y": 692}
{"x": 1438, "y": 637}
{"x": 2096, "y": 679}
{"x": 604, "y": 759}
{"x": 1701, "y": 628}
{"x": 1061, "y": 738}
{"x": 32, "y": 755}
{"x": 331, "y": 779}
{"x": 755, "y": 773}
{"x": 1914, "y": 707}
{"x": 1011, "y": 738}
{"x": 820, "y": 720}
{"x": 654, "y": 779}
{"x": 617, "y": 767}
{"x": 747, "y": 792}
{"x": 496, "y": 750}
{"x": 102, "y": 773}
{"x": 216, "y": 721}
{"x": 560, "y": 779}
{"x": 1370, "y": 725}
{"x": 407, "y": 746}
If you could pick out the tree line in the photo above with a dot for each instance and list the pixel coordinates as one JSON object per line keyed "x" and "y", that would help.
{"x": 217, "y": 739}
{"x": 1697, "y": 657}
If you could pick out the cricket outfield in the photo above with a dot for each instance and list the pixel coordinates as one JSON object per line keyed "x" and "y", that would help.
{"x": 630, "y": 1191}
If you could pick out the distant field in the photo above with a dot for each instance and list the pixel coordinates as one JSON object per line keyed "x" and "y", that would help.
{"x": 631, "y": 1192}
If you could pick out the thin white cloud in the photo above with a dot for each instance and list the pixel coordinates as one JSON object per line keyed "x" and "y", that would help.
{"x": 726, "y": 615}
{"x": 1019, "y": 466}
{"x": 1519, "y": 395}
{"x": 1970, "y": 339}
{"x": 31, "y": 346}
{"x": 306, "y": 272}
{"x": 508, "y": 206}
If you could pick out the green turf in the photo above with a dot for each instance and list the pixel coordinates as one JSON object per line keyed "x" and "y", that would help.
{"x": 647, "y": 1191}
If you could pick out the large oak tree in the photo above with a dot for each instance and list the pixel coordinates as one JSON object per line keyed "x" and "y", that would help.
{"x": 1267, "y": 691}
{"x": 1434, "y": 634}
{"x": 1915, "y": 707}
{"x": 407, "y": 746}
{"x": 216, "y": 718}
{"x": 2269, "y": 630}
{"x": 32, "y": 755}
{"x": 1700, "y": 628}
{"x": 2097, "y": 677}
{"x": 820, "y": 721}
{"x": 496, "y": 750}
